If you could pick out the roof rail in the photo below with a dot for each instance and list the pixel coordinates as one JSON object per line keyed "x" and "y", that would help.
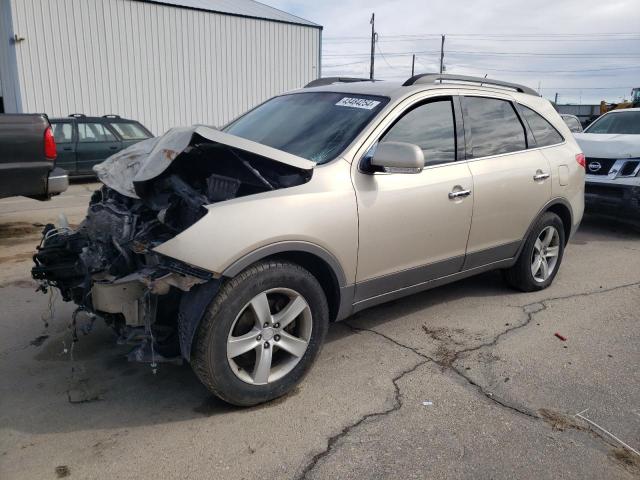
{"x": 330, "y": 80}
{"x": 434, "y": 77}
{"x": 111, "y": 115}
{"x": 77, "y": 115}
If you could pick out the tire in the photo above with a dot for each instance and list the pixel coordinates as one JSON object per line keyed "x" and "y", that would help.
{"x": 521, "y": 276}
{"x": 232, "y": 323}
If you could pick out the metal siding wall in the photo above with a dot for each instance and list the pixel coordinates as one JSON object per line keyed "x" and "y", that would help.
{"x": 9, "y": 89}
{"x": 162, "y": 65}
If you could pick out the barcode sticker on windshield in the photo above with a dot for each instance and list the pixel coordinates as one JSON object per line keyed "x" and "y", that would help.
{"x": 358, "y": 103}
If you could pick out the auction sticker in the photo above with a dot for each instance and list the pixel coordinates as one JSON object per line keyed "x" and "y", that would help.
{"x": 358, "y": 103}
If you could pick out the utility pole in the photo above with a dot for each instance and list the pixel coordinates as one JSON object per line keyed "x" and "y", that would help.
{"x": 373, "y": 43}
{"x": 556, "y": 100}
{"x": 413, "y": 65}
{"x": 442, "y": 55}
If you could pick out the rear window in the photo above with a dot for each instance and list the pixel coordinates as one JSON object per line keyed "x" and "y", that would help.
{"x": 495, "y": 126}
{"x": 129, "y": 131}
{"x": 619, "y": 122}
{"x": 544, "y": 133}
{"x": 317, "y": 126}
{"x": 62, "y": 132}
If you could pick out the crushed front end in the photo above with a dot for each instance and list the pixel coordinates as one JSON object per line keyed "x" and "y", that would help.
{"x": 153, "y": 191}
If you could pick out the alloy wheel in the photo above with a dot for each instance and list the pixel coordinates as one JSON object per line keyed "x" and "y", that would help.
{"x": 545, "y": 254}
{"x": 269, "y": 336}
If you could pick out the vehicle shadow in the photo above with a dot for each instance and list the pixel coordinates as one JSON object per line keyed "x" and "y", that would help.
{"x": 600, "y": 228}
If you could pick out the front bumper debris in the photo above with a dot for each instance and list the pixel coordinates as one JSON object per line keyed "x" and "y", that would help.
{"x": 153, "y": 191}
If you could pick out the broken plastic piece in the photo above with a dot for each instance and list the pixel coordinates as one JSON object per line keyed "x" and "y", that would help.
{"x": 561, "y": 337}
{"x": 427, "y": 403}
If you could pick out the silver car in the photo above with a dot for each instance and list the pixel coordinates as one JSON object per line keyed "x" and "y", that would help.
{"x": 235, "y": 249}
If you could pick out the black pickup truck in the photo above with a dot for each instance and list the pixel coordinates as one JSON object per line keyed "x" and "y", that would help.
{"x": 27, "y": 158}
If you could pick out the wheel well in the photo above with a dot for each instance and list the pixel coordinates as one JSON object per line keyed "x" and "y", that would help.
{"x": 565, "y": 215}
{"x": 323, "y": 273}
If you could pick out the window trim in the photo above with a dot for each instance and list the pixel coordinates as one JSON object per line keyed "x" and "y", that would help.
{"x": 469, "y": 136}
{"x": 458, "y": 126}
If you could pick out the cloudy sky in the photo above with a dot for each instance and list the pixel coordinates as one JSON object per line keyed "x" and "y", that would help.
{"x": 585, "y": 50}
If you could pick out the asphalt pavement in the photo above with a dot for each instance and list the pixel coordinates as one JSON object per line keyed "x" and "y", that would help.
{"x": 469, "y": 380}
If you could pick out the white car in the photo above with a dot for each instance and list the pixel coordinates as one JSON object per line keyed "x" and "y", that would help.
{"x": 611, "y": 145}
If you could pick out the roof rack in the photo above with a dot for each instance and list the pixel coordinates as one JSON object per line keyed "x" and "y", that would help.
{"x": 331, "y": 80}
{"x": 77, "y": 115}
{"x": 434, "y": 77}
{"x": 111, "y": 115}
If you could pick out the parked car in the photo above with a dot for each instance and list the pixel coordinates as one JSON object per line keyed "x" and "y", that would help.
{"x": 612, "y": 148}
{"x": 28, "y": 158}
{"x": 83, "y": 141}
{"x": 572, "y": 122}
{"x": 236, "y": 248}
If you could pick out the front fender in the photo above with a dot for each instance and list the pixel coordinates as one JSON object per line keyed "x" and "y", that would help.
{"x": 320, "y": 214}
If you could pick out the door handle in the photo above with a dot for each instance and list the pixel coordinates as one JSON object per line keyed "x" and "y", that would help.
{"x": 459, "y": 194}
{"x": 67, "y": 149}
{"x": 113, "y": 148}
{"x": 540, "y": 175}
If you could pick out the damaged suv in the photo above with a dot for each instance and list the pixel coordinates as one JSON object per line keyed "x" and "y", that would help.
{"x": 235, "y": 249}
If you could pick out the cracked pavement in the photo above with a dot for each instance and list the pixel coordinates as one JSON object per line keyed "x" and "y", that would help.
{"x": 503, "y": 388}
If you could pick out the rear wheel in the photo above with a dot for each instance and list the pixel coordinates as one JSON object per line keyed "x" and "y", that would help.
{"x": 261, "y": 334}
{"x": 541, "y": 256}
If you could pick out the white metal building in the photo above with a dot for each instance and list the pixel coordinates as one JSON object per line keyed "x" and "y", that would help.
{"x": 165, "y": 63}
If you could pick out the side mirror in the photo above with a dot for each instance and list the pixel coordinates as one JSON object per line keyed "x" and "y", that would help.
{"x": 398, "y": 157}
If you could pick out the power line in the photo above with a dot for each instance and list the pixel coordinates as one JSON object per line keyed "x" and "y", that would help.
{"x": 498, "y": 54}
{"x": 482, "y": 67}
{"x": 475, "y": 36}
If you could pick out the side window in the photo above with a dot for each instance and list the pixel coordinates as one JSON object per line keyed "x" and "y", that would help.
{"x": 94, "y": 132}
{"x": 430, "y": 126}
{"x": 574, "y": 125}
{"x": 62, "y": 132}
{"x": 495, "y": 126}
{"x": 129, "y": 131}
{"x": 544, "y": 133}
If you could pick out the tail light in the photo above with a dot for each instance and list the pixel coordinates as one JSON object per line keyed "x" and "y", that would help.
{"x": 581, "y": 160}
{"x": 49, "y": 144}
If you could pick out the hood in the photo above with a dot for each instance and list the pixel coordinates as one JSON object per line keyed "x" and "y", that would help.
{"x": 605, "y": 145}
{"x": 148, "y": 159}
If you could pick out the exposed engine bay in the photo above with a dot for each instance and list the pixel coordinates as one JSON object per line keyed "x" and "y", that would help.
{"x": 153, "y": 191}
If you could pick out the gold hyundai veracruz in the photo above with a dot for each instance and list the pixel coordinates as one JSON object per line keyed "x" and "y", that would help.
{"x": 235, "y": 248}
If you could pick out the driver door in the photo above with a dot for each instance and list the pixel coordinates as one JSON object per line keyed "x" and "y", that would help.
{"x": 411, "y": 230}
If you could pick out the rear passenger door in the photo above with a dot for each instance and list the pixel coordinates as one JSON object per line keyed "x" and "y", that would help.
{"x": 64, "y": 135}
{"x": 511, "y": 183}
{"x": 95, "y": 143}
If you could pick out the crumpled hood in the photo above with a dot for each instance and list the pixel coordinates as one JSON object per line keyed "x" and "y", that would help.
{"x": 147, "y": 159}
{"x": 604, "y": 145}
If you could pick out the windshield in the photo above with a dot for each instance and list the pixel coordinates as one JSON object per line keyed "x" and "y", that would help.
{"x": 618, "y": 122}
{"x": 317, "y": 126}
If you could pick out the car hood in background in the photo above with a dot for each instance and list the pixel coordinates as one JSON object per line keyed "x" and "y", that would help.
{"x": 604, "y": 145}
{"x": 148, "y": 159}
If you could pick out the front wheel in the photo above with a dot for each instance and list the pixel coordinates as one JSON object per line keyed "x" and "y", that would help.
{"x": 261, "y": 333}
{"x": 541, "y": 256}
